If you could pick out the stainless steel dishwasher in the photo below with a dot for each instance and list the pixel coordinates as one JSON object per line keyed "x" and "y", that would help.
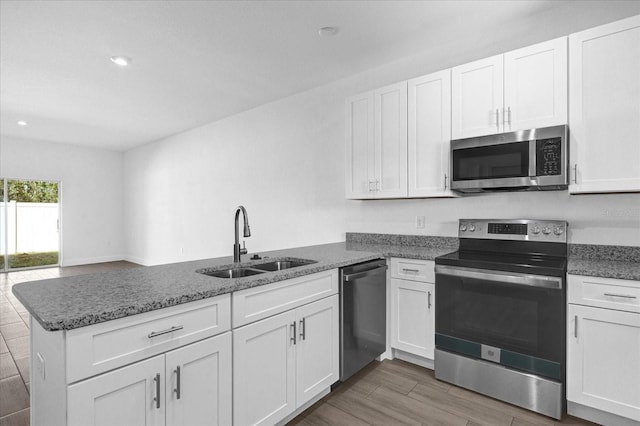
{"x": 363, "y": 315}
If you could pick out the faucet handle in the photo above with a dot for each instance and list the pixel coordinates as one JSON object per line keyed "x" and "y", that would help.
{"x": 243, "y": 250}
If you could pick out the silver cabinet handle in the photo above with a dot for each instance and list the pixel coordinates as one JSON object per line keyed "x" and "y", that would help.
{"x": 575, "y": 326}
{"x": 429, "y": 300}
{"x": 374, "y": 271}
{"x": 625, "y": 296}
{"x": 167, "y": 331}
{"x": 410, "y": 270}
{"x": 177, "y": 389}
{"x": 575, "y": 173}
{"x": 498, "y": 119}
{"x": 293, "y": 332}
{"x": 156, "y": 399}
{"x": 370, "y": 186}
{"x": 509, "y": 117}
{"x": 377, "y": 185}
{"x": 303, "y": 329}
{"x": 499, "y": 276}
{"x": 445, "y": 181}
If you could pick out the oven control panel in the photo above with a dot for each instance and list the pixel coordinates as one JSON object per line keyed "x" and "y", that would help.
{"x": 520, "y": 230}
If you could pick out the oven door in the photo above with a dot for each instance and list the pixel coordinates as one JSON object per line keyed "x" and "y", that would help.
{"x": 513, "y": 319}
{"x": 490, "y": 165}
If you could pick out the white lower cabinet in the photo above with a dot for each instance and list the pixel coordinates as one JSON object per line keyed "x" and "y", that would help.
{"x": 283, "y": 361}
{"x": 413, "y": 317}
{"x": 603, "y": 350}
{"x": 121, "y": 397}
{"x": 186, "y": 386}
{"x": 413, "y": 306}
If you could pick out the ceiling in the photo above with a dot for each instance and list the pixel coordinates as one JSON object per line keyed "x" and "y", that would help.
{"x": 195, "y": 62}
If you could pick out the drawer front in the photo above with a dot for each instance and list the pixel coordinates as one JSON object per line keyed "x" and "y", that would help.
{"x": 413, "y": 270}
{"x": 102, "y": 347}
{"x": 261, "y": 302}
{"x": 623, "y": 295}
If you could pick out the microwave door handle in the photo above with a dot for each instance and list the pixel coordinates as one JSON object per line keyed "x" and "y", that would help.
{"x": 532, "y": 158}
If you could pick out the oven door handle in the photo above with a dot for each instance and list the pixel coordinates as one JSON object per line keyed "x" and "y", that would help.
{"x": 501, "y": 276}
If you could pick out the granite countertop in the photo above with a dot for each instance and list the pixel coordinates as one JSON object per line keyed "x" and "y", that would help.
{"x": 78, "y": 301}
{"x": 606, "y": 261}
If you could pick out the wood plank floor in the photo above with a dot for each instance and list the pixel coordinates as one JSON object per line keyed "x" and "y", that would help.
{"x": 395, "y": 392}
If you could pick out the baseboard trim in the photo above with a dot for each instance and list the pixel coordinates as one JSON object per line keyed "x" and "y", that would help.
{"x": 91, "y": 260}
{"x": 413, "y": 359}
{"x": 598, "y": 416}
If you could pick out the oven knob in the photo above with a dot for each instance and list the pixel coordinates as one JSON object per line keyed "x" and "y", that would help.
{"x": 536, "y": 230}
{"x": 463, "y": 227}
{"x": 546, "y": 231}
{"x": 558, "y": 231}
{"x": 472, "y": 228}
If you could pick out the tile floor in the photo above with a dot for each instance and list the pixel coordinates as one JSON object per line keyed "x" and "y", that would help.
{"x": 14, "y": 337}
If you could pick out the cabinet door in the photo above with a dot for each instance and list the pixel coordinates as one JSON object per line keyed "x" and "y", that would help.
{"x": 359, "y": 146}
{"x": 603, "y": 368}
{"x": 126, "y": 396}
{"x": 476, "y": 98}
{"x": 413, "y": 317}
{"x": 264, "y": 370}
{"x": 198, "y": 385}
{"x": 604, "y": 99}
{"x": 390, "y": 141}
{"x": 535, "y": 86}
{"x": 429, "y": 134}
{"x": 317, "y": 348}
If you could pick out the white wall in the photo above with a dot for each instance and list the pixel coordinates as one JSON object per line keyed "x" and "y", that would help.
{"x": 90, "y": 194}
{"x": 280, "y": 161}
{"x": 285, "y": 162}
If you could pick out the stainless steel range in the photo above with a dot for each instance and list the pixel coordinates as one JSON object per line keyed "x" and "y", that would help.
{"x": 500, "y": 316}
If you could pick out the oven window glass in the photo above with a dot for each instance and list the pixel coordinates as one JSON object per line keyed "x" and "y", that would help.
{"x": 519, "y": 318}
{"x": 491, "y": 162}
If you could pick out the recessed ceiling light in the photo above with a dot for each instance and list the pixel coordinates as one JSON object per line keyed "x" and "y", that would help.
{"x": 22, "y": 123}
{"x": 121, "y": 61}
{"x": 328, "y": 31}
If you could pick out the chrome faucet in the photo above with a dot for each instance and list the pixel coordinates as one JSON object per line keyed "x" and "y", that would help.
{"x": 237, "y": 251}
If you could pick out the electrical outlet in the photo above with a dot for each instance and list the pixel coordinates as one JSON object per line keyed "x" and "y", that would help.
{"x": 420, "y": 222}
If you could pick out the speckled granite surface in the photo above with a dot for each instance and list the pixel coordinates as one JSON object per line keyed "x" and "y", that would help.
{"x": 621, "y": 262}
{"x": 72, "y": 302}
{"x": 405, "y": 246}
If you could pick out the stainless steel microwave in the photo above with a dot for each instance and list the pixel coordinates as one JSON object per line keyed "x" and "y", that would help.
{"x": 534, "y": 159}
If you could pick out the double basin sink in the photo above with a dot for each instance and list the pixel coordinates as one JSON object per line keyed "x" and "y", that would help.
{"x": 255, "y": 269}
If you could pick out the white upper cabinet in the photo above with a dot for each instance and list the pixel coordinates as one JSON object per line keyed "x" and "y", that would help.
{"x": 535, "y": 86}
{"x": 429, "y": 134}
{"x": 476, "y": 96}
{"x": 605, "y": 108}
{"x": 390, "y": 107}
{"x": 376, "y": 126}
{"x": 359, "y": 128}
{"x": 522, "y": 89}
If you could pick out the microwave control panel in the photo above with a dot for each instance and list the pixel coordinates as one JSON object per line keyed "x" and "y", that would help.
{"x": 548, "y": 157}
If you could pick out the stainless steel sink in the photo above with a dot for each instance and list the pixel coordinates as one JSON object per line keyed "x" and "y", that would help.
{"x": 232, "y": 273}
{"x": 279, "y": 265}
{"x": 246, "y": 270}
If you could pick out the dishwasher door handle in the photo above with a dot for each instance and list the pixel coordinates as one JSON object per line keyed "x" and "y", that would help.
{"x": 375, "y": 271}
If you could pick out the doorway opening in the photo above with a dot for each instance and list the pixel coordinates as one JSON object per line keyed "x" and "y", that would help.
{"x": 29, "y": 224}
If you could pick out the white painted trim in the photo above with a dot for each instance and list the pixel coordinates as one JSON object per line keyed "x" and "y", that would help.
{"x": 91, "y": 260}
{"x": 598, "y": 416}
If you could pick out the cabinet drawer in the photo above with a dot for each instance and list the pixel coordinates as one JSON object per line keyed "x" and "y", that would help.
{"x": 413, "y": 269}
{"x": 261, "y": 302}
{"x": 623, "y": 295}
{"x": 102, "y": 347}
